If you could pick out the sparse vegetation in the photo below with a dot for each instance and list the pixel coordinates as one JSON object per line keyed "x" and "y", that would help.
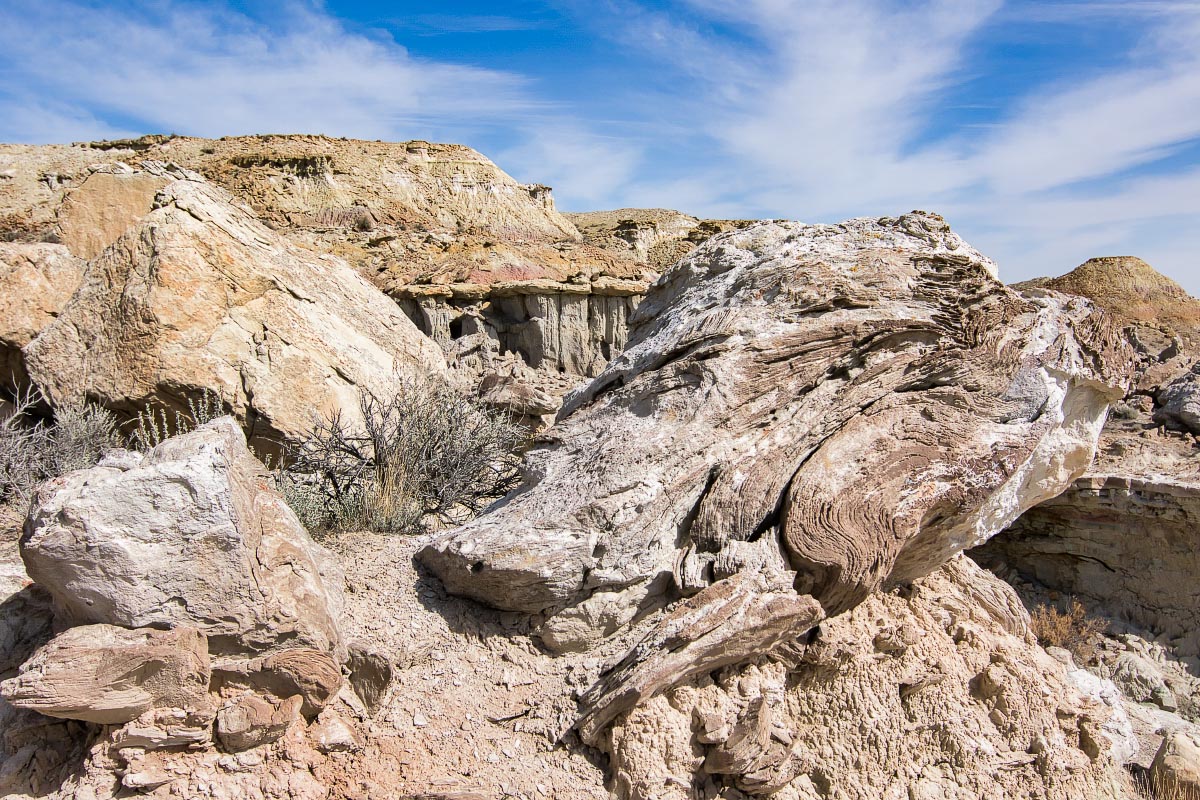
{"x": 1072, "y": 629}
{"x": 33, "y": 450}
{"x": 421, "y": 452}
{"x": 154, "y": 425}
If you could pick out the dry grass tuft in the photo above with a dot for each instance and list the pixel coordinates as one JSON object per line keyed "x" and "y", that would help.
{"x": 1072, "y": 629}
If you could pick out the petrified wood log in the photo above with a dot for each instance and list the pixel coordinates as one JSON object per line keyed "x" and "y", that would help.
{"x": 867, "y": 393}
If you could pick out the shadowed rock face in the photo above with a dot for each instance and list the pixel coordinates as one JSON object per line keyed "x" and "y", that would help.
{"x": 855, "y": 402}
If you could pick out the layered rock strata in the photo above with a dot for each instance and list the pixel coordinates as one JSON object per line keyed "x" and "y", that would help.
{"x": 854, "y": 402}
{"x": 935, "y": 691}
{"x": 438, "y": 227}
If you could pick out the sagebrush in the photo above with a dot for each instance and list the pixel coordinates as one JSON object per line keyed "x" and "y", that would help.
{"x": 422, "y": 452}
{"x": 33, "y": 449}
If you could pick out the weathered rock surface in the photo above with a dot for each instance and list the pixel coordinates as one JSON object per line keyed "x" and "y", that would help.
{"x": 106, "y": 674}
{"x": 1125, "y": 545}
{"x": 440, "y": 228}
{"x": 937, "y": 691}
{"x": 104, "y": 206}
{"x": 854, "y": 402}
{"x": 657, "y": 236}
{"x": 312, "y": 675}
{"x": 36, "y": 281}
{"x": 1176, "y": 769}
{"x": 200, "y": 295}
{"x": 251, "y": 721}
{"x": 1178, "y": 403}
{"x": 195, "y": 535}
{"x": 1132, "y": 291}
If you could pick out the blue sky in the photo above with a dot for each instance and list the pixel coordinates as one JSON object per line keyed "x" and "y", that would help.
{"x": 1046, "y": 132}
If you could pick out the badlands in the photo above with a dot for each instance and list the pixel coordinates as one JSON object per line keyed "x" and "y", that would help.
{"x": 805, "y": 512}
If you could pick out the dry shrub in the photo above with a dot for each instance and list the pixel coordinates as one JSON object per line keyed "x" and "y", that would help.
{"x": 33, "y": 450}
{"x": 422, "y": 451}
{"x": 1141, "y": 788}
{"x": 1072, "y": 629}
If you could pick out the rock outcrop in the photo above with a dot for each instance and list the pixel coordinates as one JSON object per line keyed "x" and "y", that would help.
{"x": 657, "y": 236}
{"x": 1132, "y": 291}
{"x": 439, "y": 228}
{"x": 935, "y": 691}
{"x": 111, "y": 675}
{"x": 199, "y": 296}
{"x": 1126, "y": 545}
{"x": 854, "y": 402}
{"x": 36, "y": 281}
{"x": 193, "y": 536}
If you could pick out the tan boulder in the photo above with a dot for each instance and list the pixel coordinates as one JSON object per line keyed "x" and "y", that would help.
{"x": 250, "y": 721}
{"x": 194, "y": 535}
{"x": 36, "y": 281}
{"x": 96, "y": 213}
{"x": 201, "y": 295}
{"x": 106, "y": 674}
{"x": 1175, "y": 772}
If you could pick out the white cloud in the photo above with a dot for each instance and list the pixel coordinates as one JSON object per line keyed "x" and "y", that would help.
{"x": 596, "y": 168}
{"x": 209, "y": 71}
{"x": 835, "y": 110}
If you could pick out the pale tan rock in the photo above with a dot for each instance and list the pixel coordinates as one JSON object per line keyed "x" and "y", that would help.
{"x": 106, "y": 674}
{"x": 250, "y": 721}
{"x": 36, "y": 281}
{"x": 200, "y": 295}
{"x": 332, "y": 734}
{"x": 194, "y": 535}
{"x": 371, "y": 674}
{"x": 313, "y": 675}
{"x": 972, "y": 708}
{"x": 169, "y": 728}
{"x": 103, "y": 207}
{"x": 729, "y": 622}
{"x": 865, "y": 393}
{"x": 1175, "y": 772}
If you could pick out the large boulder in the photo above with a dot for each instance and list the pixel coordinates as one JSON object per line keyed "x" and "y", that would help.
{"x": 853, "y": 402}
{"x": 1179, "y": 402}
{"x": 109, "y": 675}
{"x": 36, "y": 281}
{"x": 194, "y": 535}
{"x": 201, "y": 295}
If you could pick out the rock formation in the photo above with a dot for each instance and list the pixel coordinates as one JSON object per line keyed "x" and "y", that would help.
{"x": 461, "y": 246}
{"x": 199, "y": 296}
{"x": 854, "y": 402}
{"x": 1132, "y": 291}
{"x": 656, "y": 236}
{"x": 194, "y": 535}
{"x": 937, "y": 691}
{"x": 739, "y": 543}
{"x": 36, "y": 281}
{"x": 106, "y": 674}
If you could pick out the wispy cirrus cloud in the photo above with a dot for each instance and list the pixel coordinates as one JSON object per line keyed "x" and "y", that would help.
{"x": 211, "y": 71}
{"x": 1046, "y": 132}
{"x": 857, "y": 107}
